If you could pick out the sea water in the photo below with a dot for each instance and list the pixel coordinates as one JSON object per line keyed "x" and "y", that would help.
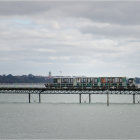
{"x": 62, "y": 117}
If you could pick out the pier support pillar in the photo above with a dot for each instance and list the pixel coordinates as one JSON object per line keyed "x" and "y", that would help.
{"x": 29, "y": 98}
{"x": 80, "y": 98}
{"x": 89, "y": 98}
{"x": 39, "y": 97}
{"x": 133, "y": 98}
{"x": 107, "y": 98}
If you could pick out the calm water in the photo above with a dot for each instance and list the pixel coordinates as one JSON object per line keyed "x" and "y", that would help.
{"x": 61, "y": 117}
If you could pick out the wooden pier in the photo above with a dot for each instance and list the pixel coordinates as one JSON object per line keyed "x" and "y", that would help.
{"x": 39, "y": 91}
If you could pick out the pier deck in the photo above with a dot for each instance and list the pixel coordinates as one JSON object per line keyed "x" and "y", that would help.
{"x": 39, "y": 91}
{"x": 34, "y": 90}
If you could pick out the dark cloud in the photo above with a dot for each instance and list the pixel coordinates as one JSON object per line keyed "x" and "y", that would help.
{"x": 113, "y": 31}
{"x": 106, "y": 11}
{"x": 22, "y": 8}
{"x": 103, "y": 11}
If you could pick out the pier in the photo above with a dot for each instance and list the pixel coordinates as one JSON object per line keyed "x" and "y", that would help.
{"x": 60, "y": 91}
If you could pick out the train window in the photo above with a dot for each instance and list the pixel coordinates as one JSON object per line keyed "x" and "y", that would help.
{"x": 68, "y": 80}
{"x": 116, "y": 80}
{"x": 59, "y": 80}
{"x": 120, "y": 80}
{"x": 102, "y": 80}
{"x": 88, "y": 80}
{"x": 92, "y": 80}
{"x": 78, "y": 80}
{"x": 55, "y": 80}
{"x": 84, "y": 80}
{"x": 71, "y": 80}
{"x": 113, "y": 80}
{"x": 109, "y": 80}
{"x": 62, "y": 80}
{"x": 95, "y": 80}
{"x": 105, "y": 80}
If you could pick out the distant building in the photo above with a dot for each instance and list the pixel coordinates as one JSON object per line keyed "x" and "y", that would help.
{"x": 50, "y": 75}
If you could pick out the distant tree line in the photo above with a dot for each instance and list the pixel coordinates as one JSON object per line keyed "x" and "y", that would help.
{"x": 29, "y": 79}
{"x": 22, "y": 79}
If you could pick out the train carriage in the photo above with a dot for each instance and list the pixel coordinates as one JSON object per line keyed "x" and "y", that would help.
{"x": 92, "y": 82}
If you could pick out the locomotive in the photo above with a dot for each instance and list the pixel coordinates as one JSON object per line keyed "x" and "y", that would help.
{"x": 91, "y": 83}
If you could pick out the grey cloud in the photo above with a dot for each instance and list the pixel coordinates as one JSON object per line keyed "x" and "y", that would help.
{"x": 8, "y": 8}
{"x": 108, "y": 12}
{"x": 113, "y": 31}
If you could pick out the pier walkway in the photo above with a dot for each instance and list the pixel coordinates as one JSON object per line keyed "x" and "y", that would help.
{"x": 39, "y": 91}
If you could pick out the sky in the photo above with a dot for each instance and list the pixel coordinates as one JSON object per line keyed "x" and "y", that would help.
{"x": 81, "y": 38}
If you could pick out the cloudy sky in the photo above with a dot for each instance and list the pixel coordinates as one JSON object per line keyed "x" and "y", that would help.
{"x": 78, "y": 38}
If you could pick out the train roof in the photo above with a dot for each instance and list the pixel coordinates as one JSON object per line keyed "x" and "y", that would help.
{"x": 82, "y": 77}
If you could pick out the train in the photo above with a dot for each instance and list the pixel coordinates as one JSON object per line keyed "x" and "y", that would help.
{"x": 91, "y": 83}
